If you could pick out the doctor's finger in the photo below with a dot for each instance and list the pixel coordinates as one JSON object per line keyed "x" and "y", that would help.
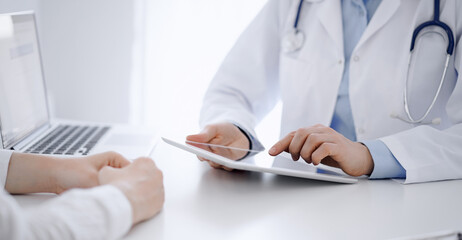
{"x": 227, "y": 168}
{"x": 281, "y": 145}
{"x": 313, "y": 141}
{"x": 201, "y": 146}
{"x": 324, "y": 151}
{"x": 218, "y": 166}
{"x": 214, "y": 165}
{"x": 207, "y": 134}
{"x": 299, "y": 140}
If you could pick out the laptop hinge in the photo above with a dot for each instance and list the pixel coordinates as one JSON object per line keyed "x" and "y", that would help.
{"x": 27, "y": 140}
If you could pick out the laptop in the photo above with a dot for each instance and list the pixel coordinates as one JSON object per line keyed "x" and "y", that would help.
{"x": 263, "y": 162}
{"x": 25, "y": 122}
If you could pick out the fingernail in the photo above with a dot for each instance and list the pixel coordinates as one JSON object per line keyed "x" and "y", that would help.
{"x": 272, "y": 150}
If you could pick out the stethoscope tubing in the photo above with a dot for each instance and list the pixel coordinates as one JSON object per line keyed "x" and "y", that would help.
{"x": 427, "y": 112}
{"x": 297, "y": 18}
{"x": 450, "y": 50}
{"x": 435, "y": 22}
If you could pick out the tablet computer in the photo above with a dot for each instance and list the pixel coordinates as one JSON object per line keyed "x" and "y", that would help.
{"x": 263, "y": 162}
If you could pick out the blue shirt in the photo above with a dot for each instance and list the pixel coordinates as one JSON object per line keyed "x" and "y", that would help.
{"x": 356, "y": 15}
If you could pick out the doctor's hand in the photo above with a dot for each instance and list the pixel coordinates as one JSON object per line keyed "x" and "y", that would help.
{"x": 223, "y": 134}
{"x": 321, "y": 144}
{"x": 142, "y": 184}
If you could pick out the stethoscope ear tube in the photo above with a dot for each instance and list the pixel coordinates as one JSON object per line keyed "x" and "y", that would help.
{"x": 435, "y": 22}
{"x": 297, "y": 18}
{"x": 446, "y": 28}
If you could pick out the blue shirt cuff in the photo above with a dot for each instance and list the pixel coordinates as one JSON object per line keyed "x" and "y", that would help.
{"x": 385, "y": 164}
{"x": 254, "y": 143}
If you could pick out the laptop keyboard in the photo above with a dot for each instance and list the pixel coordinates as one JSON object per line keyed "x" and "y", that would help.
{"x": 69, "y": 140}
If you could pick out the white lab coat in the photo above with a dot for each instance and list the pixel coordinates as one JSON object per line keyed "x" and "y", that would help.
{"x": 257, "y": 73}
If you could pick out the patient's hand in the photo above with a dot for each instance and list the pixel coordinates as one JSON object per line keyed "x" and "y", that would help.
{"x": 142, "y": 184}
{"x": 30, "y": 173}
{"x": 223, "y": 134}
{"x": 82, "y": 172}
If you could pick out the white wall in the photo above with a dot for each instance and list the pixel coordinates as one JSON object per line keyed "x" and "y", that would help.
{"x": 90, "y": 50}
{"x": 16, "y": 6}
{"x": 186, "y": 43}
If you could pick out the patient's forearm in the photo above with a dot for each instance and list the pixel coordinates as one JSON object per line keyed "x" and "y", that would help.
{"x": 31, "y": 173}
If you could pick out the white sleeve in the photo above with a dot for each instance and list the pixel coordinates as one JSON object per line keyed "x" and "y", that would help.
{"x": 5, "y": 156}
{"x": 246, "y": 86}
{"x": 98, "y": 213}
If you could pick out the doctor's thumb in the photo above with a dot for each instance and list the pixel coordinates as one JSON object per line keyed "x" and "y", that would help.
{"x": 200, "y": 137}
{"x": 207, "y": 134}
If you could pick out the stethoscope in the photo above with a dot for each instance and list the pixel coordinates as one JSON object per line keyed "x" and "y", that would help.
{"x": 294, "y": 40}
{"x": 450, "y": 49}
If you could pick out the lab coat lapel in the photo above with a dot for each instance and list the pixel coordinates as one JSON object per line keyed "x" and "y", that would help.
{"x": 382, "y": 15}
{"x": 330, "y": 15}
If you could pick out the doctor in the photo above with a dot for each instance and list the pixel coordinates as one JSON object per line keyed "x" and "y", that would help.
{"x": 354, "y": 94}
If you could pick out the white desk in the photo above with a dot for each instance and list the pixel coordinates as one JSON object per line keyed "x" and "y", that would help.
{"x": 204, "y": 203}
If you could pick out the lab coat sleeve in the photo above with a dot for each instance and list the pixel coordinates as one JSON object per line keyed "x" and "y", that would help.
{"x": 429, "y": 154}
{"x": 98, "y": 213}
{"x": 246, "y": 88}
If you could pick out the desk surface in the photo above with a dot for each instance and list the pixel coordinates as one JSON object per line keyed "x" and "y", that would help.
{"x": 205, "y": 203}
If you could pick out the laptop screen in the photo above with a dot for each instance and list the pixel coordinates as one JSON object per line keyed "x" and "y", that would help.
{"x": 23, "y": 106}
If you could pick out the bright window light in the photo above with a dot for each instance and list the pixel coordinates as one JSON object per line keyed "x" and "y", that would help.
{"x": 186, "y": 43}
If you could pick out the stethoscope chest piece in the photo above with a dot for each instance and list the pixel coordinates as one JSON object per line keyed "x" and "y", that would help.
{"x": 293, "y": 41}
